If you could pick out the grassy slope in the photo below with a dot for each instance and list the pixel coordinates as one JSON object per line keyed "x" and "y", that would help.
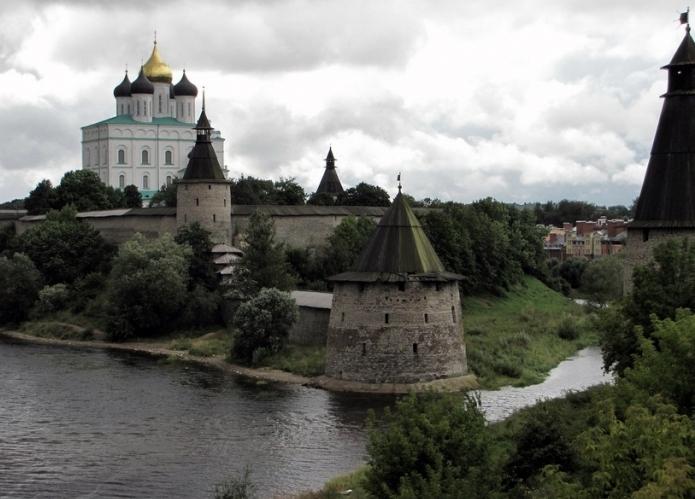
{"x": 514, "y": 339}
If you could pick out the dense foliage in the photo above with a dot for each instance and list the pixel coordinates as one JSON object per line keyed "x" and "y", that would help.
{"x": 80, "y": 188}
{"x": 256, "y": 191}
{"x": 165, "y": 196}
{"x": 363, "y": 194}
{"x": 20, "y": 283}
{"x": 660, "y": 288}
{"x": 64, "y": 248}
{"x": 489, "y": 243}
{"x": 132, "y": 197}
{"x": 556, "y": 213}
{"x": 430, "y": 445}
{"x": 264, "y": 260}
{"x": 201, "y": 269}
{"x": 602, "y": 279}
{"x": 147, "y": 287}
{"x": 262, "y": 324}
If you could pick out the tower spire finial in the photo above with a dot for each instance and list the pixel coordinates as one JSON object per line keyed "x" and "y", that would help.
{"x": 399, "y": 183}
{"x": 203, "y": 98}
{"x": 155, "y": 37}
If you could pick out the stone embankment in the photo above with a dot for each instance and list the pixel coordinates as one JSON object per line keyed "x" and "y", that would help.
{"x": 262, "y": 374}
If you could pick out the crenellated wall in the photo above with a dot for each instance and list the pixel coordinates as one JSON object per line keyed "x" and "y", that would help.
{"x": 389, "y": 333}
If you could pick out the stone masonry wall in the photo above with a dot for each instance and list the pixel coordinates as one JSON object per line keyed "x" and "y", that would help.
{"x": 421, "y": 340}
{"x": 311, "y": 326}
{"x": 209, "y": 205}
{"x": 639, "y": 252}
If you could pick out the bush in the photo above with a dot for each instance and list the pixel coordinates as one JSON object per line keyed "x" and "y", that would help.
{"x": 146, "y": 287}
{"x": 263, "y": 324}
{"x": 52, "y": 299}
{"x": 568, "y": 329}
{"x": 20, "y": 283}
{"x": 430, "y": 445}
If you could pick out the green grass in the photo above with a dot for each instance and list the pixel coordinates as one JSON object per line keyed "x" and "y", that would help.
{"x": 302, "y": 360}
{"x": 217, "y": 343}
{"x": 518, "y": 338}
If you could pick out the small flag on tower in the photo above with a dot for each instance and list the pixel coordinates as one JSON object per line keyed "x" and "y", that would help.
{"x": 684, "y": 17}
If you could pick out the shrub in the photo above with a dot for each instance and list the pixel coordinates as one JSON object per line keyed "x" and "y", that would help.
{"x": 20, "y": 283}
{"x": 430, "y": 445}
{"x": 507, "y": 368}
{"x": 568, "y": 329}
{"x": 263, "y": 324}
{"x": 52, "y": 298}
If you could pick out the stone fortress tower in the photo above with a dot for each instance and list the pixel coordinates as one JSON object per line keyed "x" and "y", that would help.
{"x": 147, "y": 142}
{"x": 397, "y": 317}
{"x": 666, "y": 206}
{"x": 204, "y": 194}
{"x": 330, "y": 183}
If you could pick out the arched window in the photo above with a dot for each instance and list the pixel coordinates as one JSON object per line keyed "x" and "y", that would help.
{"x": 160, "y": 103}
{"x": 168, "y": 179}
{"x": 145, "y": 181}
{"x": 121, "y": 181}
{"x": 145, "y": 157}
{"x": 189, "y": 109}
{"x": 168, "y": 158}
{"x": 86, "y": 157}
{"x": 138, "y": 106}
{"x": 121, "y": 156}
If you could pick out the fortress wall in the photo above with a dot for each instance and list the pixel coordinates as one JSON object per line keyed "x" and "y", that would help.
{"x": 638, "y": 251}
{"x": 310, "y": 328}
{"x": 297, "y": 231}
{"x": 422, "y": 340}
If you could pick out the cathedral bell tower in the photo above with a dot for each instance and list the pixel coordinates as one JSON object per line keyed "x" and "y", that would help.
{"x": 203, "y": 194}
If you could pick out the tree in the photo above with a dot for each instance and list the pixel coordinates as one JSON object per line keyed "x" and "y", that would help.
{"x": 64, "y": 248}
{"x": 146, "y": 289}
{"x": 86, "y": 192}
{"x": 251, "y": 190}
{"x": 571, "y": 270}
{"x": 165, "y": 196}
{"x": 20, "y": 283}
{"x": 660, "y": 288}
{"x": 41, "y": 199}
{"x": 363, "y": 194}
{"x": 346, "y": 243}
{"x": 264, "y": 260}
{"x": 430, "y": 445}
{"x": 288, "y": 192}
{"x": 263, "y": 324}
{"x": 201, "y": 269}
{"x": 133, "y": 198}
{"x": 602, "y": 279}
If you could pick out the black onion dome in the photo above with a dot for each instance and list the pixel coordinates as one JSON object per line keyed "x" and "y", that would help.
{"x": 123, "y": 88}
{"x": 185, "y": 87}
{"x": 141, "y": 85}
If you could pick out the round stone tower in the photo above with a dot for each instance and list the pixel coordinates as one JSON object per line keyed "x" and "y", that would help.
{"x": 397, "y": 317}
{"x": 203, "y": 194}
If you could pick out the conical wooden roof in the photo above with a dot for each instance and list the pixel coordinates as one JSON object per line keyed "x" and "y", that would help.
{"x": 667, "y": 198}
{"x": 202, "y": 160}
{"x": 398, "y": 250}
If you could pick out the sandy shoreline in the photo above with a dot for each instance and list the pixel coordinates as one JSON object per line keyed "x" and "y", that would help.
{"x": 263, "y": 373}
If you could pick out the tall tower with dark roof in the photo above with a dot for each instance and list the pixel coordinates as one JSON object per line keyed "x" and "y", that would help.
{"x": 330, "y": 183}
{"x": 203, "y": 194}
{"x": 666, "y": 206}
{"x": 396, "y": 318}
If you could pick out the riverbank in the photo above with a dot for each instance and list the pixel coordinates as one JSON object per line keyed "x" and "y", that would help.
{"x": 159, "y": 349}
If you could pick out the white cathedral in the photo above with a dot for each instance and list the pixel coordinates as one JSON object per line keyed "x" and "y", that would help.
{"x": 147, "y": 143}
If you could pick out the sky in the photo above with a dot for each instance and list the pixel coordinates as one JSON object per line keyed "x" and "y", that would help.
{"x": 526, "y": 100}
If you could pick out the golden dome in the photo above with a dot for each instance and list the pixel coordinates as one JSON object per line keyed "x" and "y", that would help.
{"x": 156, "y": 69}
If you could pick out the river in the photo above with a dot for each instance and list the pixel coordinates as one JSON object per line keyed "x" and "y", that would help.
{"x": 92, "y": 423}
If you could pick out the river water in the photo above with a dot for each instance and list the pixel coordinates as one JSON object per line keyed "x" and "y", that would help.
{"x": 77, "y": 423}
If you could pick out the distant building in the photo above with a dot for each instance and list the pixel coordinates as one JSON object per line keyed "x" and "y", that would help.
{"x": 397, "y": 317}
{"x": 147, "y": 142}
{"x": 586, "y": 239}
{"x": 666, "y": 206}
{"x": 330, "y": 183}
